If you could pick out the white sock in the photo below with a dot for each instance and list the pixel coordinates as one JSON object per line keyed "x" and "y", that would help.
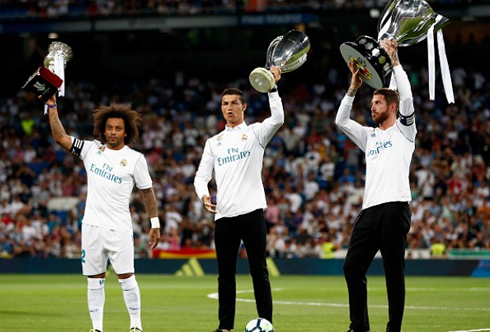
{"x": 131, "y": 293}
{"x": 96, "y": 299}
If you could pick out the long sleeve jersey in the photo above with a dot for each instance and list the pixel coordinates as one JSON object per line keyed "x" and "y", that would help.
{"x": 236, "y": 156}
{"x": 388, "y": 152}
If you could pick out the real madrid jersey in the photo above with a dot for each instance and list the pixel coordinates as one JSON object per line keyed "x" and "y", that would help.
{"x": 236, "y": 155}
{"x": 111, "y": 177}
{"x": 388, "y": 153}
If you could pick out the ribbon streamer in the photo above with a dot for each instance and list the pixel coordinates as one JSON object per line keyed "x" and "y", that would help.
{"x": 445, "y": 72}
{"x": 58, "y": 68}
{"x": 431, "y": 62}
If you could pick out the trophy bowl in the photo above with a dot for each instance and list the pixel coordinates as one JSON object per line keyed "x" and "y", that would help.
{"x": 288, "y": 52}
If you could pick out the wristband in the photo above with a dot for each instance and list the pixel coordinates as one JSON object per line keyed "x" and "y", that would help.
{"x": 274, "y": 89}
{"x": 52, "y": 106}
{"x": 155, "y": 222}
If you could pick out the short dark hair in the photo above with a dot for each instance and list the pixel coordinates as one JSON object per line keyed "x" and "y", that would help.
{"x": 391, "y": 96}
{"x": 234, "y": 91}
{"x": 130, "y": 117}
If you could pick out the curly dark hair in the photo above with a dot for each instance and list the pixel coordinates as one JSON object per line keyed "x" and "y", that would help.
{"x": 130, "y": 117}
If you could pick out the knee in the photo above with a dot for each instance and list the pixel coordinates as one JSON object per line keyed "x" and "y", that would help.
{"x": 351, "y": 269}
{"x": 128, "y": 283}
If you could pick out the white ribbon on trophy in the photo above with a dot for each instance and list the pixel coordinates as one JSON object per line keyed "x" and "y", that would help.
{"x": 445, "y": 72}
{"x": 59, "y": 54}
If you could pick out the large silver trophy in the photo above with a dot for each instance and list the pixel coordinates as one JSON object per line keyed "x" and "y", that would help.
{"x": 49, "y": 79}
{"x": 405, "y": 21}
{"x": 288, "y": 52}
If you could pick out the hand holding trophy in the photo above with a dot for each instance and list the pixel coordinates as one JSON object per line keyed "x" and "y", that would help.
{"x": 288, "y": 52}
{"x": 406, "y": 22}
{"x": 49, "y": 79}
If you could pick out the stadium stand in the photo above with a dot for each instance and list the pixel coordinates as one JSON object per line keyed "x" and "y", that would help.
{"x": 312, "y": 174}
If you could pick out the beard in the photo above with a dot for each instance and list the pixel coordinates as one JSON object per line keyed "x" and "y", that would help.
{"x": 380, "y": 118}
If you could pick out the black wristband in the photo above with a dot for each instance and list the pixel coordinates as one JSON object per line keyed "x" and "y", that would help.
{"x": 274, "y": 89}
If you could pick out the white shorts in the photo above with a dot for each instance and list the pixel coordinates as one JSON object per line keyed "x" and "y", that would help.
{"x": 102, "y": 244}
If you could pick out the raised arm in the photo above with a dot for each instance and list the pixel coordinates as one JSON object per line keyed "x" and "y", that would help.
{"x": 57, "y": 129}
{"x": 351, "y": 128}
{"x": 406, "y": 108}
{"x": 267, "y": 129}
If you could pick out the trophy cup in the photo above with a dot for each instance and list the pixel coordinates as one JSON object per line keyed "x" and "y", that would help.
{"x": 405, "y": 21}
{"x": 49, "y": 78}
{"x": 288, "y": 52}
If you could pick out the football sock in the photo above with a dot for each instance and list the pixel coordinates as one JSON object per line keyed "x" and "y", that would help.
{"x": 131, "y": 293}
{"x": 96, "y": 299}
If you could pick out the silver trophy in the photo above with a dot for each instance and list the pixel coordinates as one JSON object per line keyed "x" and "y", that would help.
{"x": 49, "y": 79}
{"x": 57, "y": 51}
{"x": 288, "y": 52}
{"x": 405, "y": 21}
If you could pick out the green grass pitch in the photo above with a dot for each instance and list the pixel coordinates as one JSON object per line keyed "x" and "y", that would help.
{"x": 301, "y": 303}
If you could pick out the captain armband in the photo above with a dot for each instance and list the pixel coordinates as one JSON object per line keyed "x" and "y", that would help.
{"x": 407, "y": 120}
{"x": 155, "y": 222}
{"x": 77, "y": 146}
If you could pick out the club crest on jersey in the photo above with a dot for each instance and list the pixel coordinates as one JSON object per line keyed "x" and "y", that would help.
{"x": 123, "y": 162}
{"x": 244, "y": 137}
{"x": 220, "y": 137}
{"x": 102, "y": 148}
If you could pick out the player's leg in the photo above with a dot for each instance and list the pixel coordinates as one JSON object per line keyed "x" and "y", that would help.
{"x": 362, "y": 249}
{"x": 395, "y": 225}
{"x": 121, "y": 255}
{"x": 254, "y": 233}
{"x": 227, "y": 242}
{"x": 94, "y": 265}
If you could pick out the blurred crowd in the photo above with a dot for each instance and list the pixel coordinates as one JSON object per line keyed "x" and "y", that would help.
{"x": 61, "y": 8}
{"x": 313, "y": 174}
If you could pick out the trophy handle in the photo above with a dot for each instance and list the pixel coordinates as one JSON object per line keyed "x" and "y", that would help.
{"x": 270, "y": 51}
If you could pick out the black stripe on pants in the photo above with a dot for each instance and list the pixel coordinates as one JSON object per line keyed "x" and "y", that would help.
{"x": 228, "y": 233}
{"x": 383, "y": 227}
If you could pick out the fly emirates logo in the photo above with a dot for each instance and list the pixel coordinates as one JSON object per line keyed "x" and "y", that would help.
{"x": 234, "y": 154}
{"x": 380, "y": 146}
{"x": 106, "y": 173}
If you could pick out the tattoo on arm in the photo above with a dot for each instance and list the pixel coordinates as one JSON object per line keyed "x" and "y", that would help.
{"x": 351, "y": 92}
{"x": 394, "y": 59}
{"x": 150, "y": 201}
{"x": 57, "y": 128}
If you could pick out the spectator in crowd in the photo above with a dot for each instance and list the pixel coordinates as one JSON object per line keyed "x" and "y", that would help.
{"x": 236, "y": 155}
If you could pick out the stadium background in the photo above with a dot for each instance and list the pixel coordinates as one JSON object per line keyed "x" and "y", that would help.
{"x": 171, "y": 60}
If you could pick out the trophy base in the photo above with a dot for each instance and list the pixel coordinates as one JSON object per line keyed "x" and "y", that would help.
{"x": 43, "y": 83}
{"x": 262, "y": 80}
{"x": 370, "y": 58}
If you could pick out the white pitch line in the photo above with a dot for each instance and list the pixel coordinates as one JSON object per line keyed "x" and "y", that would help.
{"x": 342, "y": 305}
{"x": 215, "y": 296}
{"x": 472, "y": 330}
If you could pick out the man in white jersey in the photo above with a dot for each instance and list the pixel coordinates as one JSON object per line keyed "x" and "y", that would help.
{"x": 113, "y": 169}
{"x": 236, "y": 156}
{"x": 384, "y": 221}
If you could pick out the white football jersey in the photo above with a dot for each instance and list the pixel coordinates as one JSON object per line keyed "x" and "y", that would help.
{"x": 388, "y": 152}
{"x": 111, "y": 177}
{"x": 235, "y": 155}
